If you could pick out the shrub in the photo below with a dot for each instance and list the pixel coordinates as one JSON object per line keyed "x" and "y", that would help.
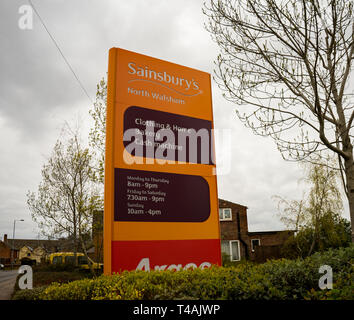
{"x": 42, "y": 278}
{"x": 58, "y": 267}
{"x": 334, "y": 232}
{"x": 33, "y": 294}
{"x": 276, "y": 279}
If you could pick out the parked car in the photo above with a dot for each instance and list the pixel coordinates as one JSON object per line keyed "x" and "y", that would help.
{"x": 68, "y": 258}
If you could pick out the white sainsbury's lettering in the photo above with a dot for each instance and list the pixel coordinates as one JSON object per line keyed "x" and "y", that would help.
{"x": 144, "y": 264}
{"x": 162, "y": 76}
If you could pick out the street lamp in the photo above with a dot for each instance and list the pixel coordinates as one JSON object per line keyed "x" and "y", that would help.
{"x": 13, "y": 245}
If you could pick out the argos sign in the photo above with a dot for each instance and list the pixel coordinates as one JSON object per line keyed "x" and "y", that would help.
{"x": 161, "y": 206}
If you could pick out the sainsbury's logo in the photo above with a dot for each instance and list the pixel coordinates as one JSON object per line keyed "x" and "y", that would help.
{"x": 190, "y": 86}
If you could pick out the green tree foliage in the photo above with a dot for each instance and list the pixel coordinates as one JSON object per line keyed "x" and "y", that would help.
{"x": 317, "y": 217}
{"x": 97, "y": 136}
{"x": 331, "y": 234}
{"x": 66, "y": 198}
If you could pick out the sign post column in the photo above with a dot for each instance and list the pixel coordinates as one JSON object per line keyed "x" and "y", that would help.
{"x": 161, "y": 205}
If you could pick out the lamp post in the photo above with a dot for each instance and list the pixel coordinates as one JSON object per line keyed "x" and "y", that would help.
{"x": 13, "y": 244}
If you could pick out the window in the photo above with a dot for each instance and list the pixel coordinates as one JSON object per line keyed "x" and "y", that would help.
{"x": 255, "y": 243}
{"x": 57, "y": 260}
{"x": 232, "y": 249}
{"x": 225, "y": 247}
{"x": 70, "y": 260}
{"x": 225, "y": 214}
{"x": 82, "y": 260}
{"x": 235, "y": 250}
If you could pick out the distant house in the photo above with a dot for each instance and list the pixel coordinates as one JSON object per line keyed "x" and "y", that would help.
{"x": 35, "y": 250}
{"x": 237, "y": 242}
{"x": 5, "y": 253}
{"x": 36, "y": 255}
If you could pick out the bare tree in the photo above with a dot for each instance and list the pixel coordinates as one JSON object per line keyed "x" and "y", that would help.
{"x": 287, "y": 66}
{"x": 67, "y": 198}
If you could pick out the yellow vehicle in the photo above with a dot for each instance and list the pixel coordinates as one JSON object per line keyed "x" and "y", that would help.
{"x": 69, "y": 258}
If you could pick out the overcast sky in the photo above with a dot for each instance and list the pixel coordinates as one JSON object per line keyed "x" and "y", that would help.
{"x": 38, "y": 93}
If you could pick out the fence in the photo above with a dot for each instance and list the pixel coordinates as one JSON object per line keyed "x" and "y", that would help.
{"x": 264, "y": 253}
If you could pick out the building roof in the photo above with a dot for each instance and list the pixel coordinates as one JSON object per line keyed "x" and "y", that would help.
{"x": 268, "y": 232}
{"x": 48, "y": 245}
{"x": 226, "y": 202}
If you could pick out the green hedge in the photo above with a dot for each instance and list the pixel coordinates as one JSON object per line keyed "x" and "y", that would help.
{"x": 276, "y": 279}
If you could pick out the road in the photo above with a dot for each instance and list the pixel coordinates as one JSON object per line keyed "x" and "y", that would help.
{"x": 7, "y": 283}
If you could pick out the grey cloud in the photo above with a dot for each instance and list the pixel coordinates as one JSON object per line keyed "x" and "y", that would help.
{"x": 38, "y": 92}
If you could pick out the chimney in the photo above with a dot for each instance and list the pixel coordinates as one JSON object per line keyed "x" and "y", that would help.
{"x": 5, "y": 238}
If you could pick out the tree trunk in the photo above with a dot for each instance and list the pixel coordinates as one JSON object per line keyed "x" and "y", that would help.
{"x": 75, "y": 245}
{"x": 313, "y": 241}
{"x": 89, "y": 262}
{"x": 349, "y": 171}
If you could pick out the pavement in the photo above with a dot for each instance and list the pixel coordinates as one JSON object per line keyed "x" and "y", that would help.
{"x": 7, "y": 283}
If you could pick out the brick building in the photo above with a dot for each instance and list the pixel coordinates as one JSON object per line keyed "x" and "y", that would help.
{"x": 29, "y": 248}
{"x": 237, "y": 242}
{"x": 5, "y": 253}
